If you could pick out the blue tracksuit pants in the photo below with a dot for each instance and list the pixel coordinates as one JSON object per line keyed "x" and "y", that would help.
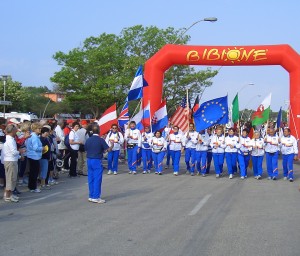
{"x": 244, "y": 163}
{"x": 158, "y": 161}
{"x": 287, "y": 165}
{"x": 168, "y": 156}
{"x": 147, "y": 159}
{"x": 218, "y": 162}
{"x": 113, "y": 160}
{"x": 95, "y": 171}
{"x": 201, "y": 158}
{"x": 175, "y": 155}
{"x": 231, "y": 158}
{"x": 190, "y": 155}
{"x": 208, "y": 161}
{"x": 132, "y": 158}
{"x": 272, "y": 164}
{"x": 257, "y": 165}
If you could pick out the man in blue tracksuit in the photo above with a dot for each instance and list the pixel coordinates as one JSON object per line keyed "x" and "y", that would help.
{"x": 95, "y": 147}
{"x": 191, "y": 140}
{"x": 289, "y": 150}
{"x": 146, "y": 150}
{"x": 272, "y": 150}
{"x": 245, "y": 147}
{"x": 134, "y": 142}
{"x": 201, "y": 152}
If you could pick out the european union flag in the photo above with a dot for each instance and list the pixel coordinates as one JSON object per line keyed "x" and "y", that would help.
{"x": 211, "y": 112}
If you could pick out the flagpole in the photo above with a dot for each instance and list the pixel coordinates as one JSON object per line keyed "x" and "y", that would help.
{"x": 187, "y": 107}
{"x": 137, "y": 107}
{"x": 150, "y": 116}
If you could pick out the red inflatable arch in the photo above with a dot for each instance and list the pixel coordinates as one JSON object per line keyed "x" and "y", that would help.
{"x": 170, "y": 55}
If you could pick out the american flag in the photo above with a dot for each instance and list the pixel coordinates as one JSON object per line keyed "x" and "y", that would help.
{"x": 181, "y": 116}
{"x": 124, "y": 116}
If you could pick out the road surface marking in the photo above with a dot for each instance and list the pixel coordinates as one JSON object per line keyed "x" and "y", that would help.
{"x": 199, "y": 205}
{"x": 42, "y": 198}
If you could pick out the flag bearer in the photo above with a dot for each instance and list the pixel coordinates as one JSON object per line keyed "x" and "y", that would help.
{"x": 134, "y": 143}
{"x": 231, "y": 142}
{"x": 146, "y": 150}
{"x": 159, "y": 147}
{"x": 244, "y": 152}
{"x": 201, "y": 152}
{"x": 218, "y": 145}
{"x": 191, "y": 140}
{"x": 209, "y": 151}
{"x": 167, "y": 131}
{"x": 289, "y": 150}
{"x": 116, "y": 138}
{"x": 176, "y": 142}
{"x": 257, "y": 155}
{"x": 272, "y": 149}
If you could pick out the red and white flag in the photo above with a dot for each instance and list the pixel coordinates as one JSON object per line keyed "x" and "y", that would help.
{"x": 181, "y": 116}
{"x": 108, "y": 118}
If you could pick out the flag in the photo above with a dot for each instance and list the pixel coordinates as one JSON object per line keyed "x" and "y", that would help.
{"x": 181, "y": 116}
{"x": 279, "y": 117}
{"x": 261, "y": 115}
{"x": 108, "y": 118}
{"x": 235, "y": 109}
{"x": 124, "y": 116}
{"x": 142, "y": 117}
{"x": 196, "y": 104}
{"x": 160, "y": 117}
{"x": 136, "y": 89}
{"x": 211, "y": 112}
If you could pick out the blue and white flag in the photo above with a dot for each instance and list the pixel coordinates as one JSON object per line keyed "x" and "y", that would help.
{"x": 160, "y": 117}
{"x": 141, "y": 117}
{"x": 211, "y": 112}
{"x": 136, "y": 89}
{"x": 123, "y": 117}
{"x": 279, "y": 117}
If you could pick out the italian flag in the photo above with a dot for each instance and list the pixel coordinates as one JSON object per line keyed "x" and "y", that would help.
{"x": 261, "y": 115}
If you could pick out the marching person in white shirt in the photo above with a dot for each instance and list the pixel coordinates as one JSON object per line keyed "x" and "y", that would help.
{"x": 272, "y": 148}
{"x": 231, "y": 142}
{"x": 289, "y": 150}
{"x": 201, "y": 152}
{"x": 257, "y": 155}
{"x": 147, "y": 135}
{"x": 114, "y": 138}
{"x": 176, "y": 142}
{"x": 191, "y": 140}
{"x": 218, "y": 145}
{"x": 244, "y": 152}
{"x": 134, "y": 142}
{"x": 159, "y": 147}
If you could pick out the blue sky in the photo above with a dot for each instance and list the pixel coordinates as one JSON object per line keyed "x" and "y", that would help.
{"x": 33, "y": 30}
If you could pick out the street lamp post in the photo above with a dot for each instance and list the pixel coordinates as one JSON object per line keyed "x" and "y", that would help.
{"x": 4, "y": 78}
{"x": 244, "y": 86}
{"x": 210, "y": 19}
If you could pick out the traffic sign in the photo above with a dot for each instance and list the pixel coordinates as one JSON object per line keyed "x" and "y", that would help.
{"x": 5, "y": 102}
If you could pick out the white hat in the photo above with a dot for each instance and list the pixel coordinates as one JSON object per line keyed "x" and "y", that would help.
{"x": 13, "y": 121}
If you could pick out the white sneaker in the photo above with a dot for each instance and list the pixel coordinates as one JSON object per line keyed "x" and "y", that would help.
{"x": 115, "y": 173}
{"x": 109, "y": 172}
{"x": 284, "y": 178}
{"x": 130, "y": 172}
{"x": 176, "y": 173}
{"x": 13, "y": 199}
{"x": 157, "y": 172}
{"x": 217, "y": 175}
{"x": 98, "y": 201}
{"x": 149, "y": 171}
{"x": 242, "y": 178}
{"x": 259, "y": 177}
{"x": 134, "y": 172}
{"x": 90, "y": 199}
{"x": 203, "y": 175}
{"x": 144, "y": 172}
{"x": 37, "y": 190}
{"x": 230, "y": 176}
{"x": 291, "y": 180}
{"x": 269, "y": 178}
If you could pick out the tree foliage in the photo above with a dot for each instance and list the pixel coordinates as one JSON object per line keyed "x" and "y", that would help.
{"x": 99, "y": 73}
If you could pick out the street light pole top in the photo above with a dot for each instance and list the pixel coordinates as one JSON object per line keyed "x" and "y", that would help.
{"x": 211, "y": 19}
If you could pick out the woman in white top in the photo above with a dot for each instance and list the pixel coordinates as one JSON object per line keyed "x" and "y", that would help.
{"x": 231, "y": 142}
{"x": 257, "y": 154}
{"x": 159, "y": 147}
{"x": 74, "y": 143}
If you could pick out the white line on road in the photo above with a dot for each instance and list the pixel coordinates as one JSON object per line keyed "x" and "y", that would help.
{"x": 42, "y": 198}
{"x": 199, "y": 205}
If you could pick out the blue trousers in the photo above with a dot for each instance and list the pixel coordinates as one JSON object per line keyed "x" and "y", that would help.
{"x": 132, "y": 157}
{"x": 158, "y": 161}
{"x": 208, "y": 161}
{"x": 257, "y": 165}
{"x": 218, "y": 162}
{"x": 190, "y": 154}
{"x": 231, "y": 158}
{"x": 147, "y": 159}
{"x": 201, "y": 157}
{"x": 287, "y": 165}
{"x": 272, "y": 164}
{"x": 43, "y": 168}
{"x": 175, "y": 155}
{"x": 244, "y": 163}
{"x": 168, "y": 156}
{"x": 139, "y": 158}
{"x": 95, "y": 171}
{"x": 113, "y": 160}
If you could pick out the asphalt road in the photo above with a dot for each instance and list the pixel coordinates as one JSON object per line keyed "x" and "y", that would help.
{"x": 156, "y": 215}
